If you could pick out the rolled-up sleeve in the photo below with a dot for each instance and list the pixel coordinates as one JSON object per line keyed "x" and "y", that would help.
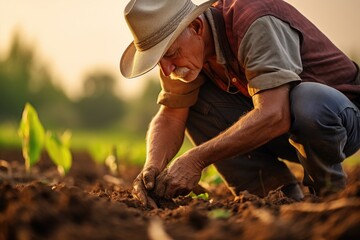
{"x": 177, "y": 94}
{"x": 270, "y": 54}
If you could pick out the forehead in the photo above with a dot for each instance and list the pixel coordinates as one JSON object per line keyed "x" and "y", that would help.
{"x": 178, "y": 41}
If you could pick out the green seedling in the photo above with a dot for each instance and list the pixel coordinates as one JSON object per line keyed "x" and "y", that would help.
{"x": 105, "y": 154}
{"x": 32, "y": 135}
{"x": 203, "y": 196}
{"x": 58, "y": 149}
{"x": 100, "y": 152}
{"x": 112, "y": 161}
{"x": 219, "y": 213}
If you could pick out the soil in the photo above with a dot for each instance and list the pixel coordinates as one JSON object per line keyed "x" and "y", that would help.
{"x": 93, "y": 203}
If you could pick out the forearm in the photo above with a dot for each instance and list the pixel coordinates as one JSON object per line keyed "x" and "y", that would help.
{"x": 164, "y": 139}
{"x": 183, "y": 174}
{"x": 245, "y": 135}
{"x": 251, "y": 131}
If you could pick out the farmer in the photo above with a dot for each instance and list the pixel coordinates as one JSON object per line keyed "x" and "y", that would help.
{"x": 252, "y": 82}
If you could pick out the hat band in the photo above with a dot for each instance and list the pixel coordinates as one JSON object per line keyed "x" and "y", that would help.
{"x": 165, "y": 30}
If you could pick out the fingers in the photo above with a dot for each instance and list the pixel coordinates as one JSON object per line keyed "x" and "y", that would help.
{"x": 170, "y": 191}
{"x": 167, "y": 188}
{"x": 182, "y": 192}
{"x": 140, "y": 192}
{"x": 148, "y": 177}
{"x": 160, "y": 187}
{"x": 151, "y": 203}
{"x": 198, "y": 189}
{"x": 168, "y": 184}
{"x": 144, "y": 198}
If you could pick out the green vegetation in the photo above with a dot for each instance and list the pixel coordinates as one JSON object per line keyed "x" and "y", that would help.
{"x": 25, "y": 78}
{"x": 101, "y": 122}
{"x": 220, "y": 213}
{"x": 9, "y": 138}
{"x": 58, "y": 149}
{"x": 33, "y": 137}
{"x": 31, "y": 132}
{"x": 203, "y": 196}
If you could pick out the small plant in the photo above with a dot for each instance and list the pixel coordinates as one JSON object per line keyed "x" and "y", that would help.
{"x": 58, "y": 150}
{"x": 33, "y": 138}
{"x": 203, "y": 196}
{"x": 31, "y": 132}
{"x": 219, "y": 213}
{"x": 100, "y": 152}
{"x": 105, "y": 154}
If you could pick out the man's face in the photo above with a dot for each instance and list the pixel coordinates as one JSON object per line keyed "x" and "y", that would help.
{"x": 184, "y": 59}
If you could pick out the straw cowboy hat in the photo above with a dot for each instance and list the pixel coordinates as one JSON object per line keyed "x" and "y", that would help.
{"x": 155, "y": 24}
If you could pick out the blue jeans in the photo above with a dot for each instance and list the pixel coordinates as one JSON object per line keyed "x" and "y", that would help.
{"x": 325, "y": 130}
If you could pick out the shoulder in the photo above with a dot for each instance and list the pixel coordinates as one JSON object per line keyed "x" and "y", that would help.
{"x": 270, "y": 24}
{"x": 268, "y": 34}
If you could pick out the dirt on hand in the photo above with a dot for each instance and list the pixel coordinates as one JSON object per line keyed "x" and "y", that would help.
{"x": 90, "y": 203}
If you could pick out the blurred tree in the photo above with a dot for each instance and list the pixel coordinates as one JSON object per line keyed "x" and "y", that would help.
{"x": 143, "y": 109}
{"x": 23, "y": 78}
{"x": 99, "y": 107}
{"x": 15, "y": 71}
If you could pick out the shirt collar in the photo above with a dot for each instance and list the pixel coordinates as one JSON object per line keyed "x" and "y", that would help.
{"x": 220, "y": 59}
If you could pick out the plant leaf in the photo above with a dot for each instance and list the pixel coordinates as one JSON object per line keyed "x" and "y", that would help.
{"x": 219, "y": 213}
{"x": 32, "y": 135}
{"x": 65, "y": 138}
{"x": 59, "y": 151}
{"x": 203, "y": 196}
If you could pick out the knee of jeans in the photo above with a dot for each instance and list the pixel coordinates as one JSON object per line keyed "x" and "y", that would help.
{"x": 315, "y": 106}
{"x": 305, "y": 121}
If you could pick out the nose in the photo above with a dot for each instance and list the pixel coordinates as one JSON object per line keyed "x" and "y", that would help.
{"x": 166, "y": 66}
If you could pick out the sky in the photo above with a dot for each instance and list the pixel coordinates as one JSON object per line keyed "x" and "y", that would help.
{"x": 75, "y": 37}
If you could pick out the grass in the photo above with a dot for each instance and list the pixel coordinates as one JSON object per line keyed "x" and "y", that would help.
{"x": 129, "y": 147}
{"x": 9, "y": 137}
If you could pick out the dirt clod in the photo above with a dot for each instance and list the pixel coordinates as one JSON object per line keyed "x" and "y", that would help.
{"x": 87, "y": 205}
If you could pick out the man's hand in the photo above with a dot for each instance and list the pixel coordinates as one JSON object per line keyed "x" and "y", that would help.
{"x": 144, "y": 183}
{"x": 180, "y": 178}
{"x": 164, "y": 139}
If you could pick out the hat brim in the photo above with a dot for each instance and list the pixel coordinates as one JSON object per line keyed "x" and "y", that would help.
{"x": 134, "y": 63}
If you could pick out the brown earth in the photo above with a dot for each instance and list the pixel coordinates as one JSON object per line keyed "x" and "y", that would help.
{"x": 91, "y": 203}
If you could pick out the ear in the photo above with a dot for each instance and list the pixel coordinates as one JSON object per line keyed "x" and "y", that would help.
{"x": 197, "y": 26}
